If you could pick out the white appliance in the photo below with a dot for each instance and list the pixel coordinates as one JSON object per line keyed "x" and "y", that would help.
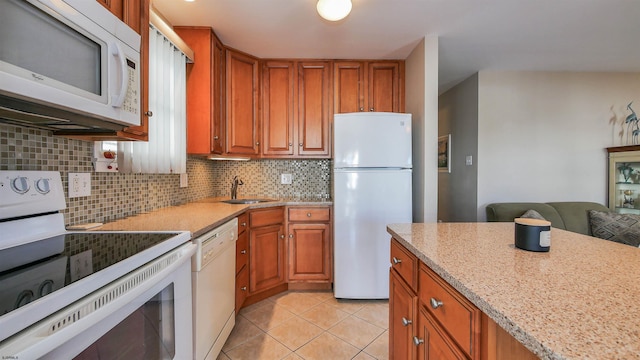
{"x": 214, "y": 287}
{"x": 67, "y": 65}
{"x": 87, "y": 295}
{"x": 371, "y": 188}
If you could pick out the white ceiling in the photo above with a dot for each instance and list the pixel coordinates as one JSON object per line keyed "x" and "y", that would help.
{"x": 474, "y": 35}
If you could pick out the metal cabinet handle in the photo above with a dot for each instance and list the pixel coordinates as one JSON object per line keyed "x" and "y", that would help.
{"x": 361, "y": 108}
{"x": 417, "y": 341}
{"x": 243, "y": 251}
{"x": 406, "y": 322}
{"x": 282, "y": 236}
{"x": 244, "y": 288}
{"x": 291, "y": 236}
{"x": 396, "y": 261}
{"x": 290, "y": 144}
{"x": 257, "y": 142}
{"x": 435, "y": 303}
{"x": 370, "y": 109}
{"x": 148, "y": 113}
{"x": 216, "y": 137}
{"x": 244, "y": 224}
{"x": 301, "y": 144}
{"x": 308, "y": 214}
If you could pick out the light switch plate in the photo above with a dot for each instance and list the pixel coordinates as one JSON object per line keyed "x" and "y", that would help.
{"x": 79, "y": 184}
{"x": 469, "y": 160}
{"x": 286, "y": 179}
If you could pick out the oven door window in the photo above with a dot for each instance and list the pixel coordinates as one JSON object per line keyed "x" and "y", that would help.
{"x": 148, "y": 333}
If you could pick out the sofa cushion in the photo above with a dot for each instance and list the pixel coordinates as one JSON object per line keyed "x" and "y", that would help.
{"x": 506, "y": 212}
{"x": 575, "y": 214}
{"x": 622, "y": 228}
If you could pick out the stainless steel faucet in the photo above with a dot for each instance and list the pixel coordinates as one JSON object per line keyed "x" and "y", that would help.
{"x": 234, "y": 187}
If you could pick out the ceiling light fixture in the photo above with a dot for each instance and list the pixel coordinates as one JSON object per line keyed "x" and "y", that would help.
{"x": 334, "y": 10}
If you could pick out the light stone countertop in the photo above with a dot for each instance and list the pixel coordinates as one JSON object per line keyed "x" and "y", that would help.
{"x": 580, "y": 300}
{"x": 198, "y": 216}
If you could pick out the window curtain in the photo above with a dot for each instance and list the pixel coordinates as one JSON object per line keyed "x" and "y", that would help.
{"x": 166, "y": 150}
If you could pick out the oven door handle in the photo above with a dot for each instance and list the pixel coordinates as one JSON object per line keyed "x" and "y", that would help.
{"x": 44, "y": 337}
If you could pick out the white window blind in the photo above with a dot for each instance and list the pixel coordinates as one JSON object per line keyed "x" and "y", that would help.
{"x": 166, "y": 150}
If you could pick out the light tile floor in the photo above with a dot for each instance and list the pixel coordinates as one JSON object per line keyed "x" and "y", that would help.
{"x": 310, "y": 326}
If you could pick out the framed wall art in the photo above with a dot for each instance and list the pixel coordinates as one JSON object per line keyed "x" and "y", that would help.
{"x": 444, "y": 153}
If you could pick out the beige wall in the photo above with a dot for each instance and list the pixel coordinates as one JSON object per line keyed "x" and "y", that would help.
{"x": 542, "y": 135}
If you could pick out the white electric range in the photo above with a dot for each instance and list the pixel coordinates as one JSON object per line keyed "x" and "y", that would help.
{"x": 87, "y": 294}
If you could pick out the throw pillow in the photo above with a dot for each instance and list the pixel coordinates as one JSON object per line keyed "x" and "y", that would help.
{"x": 622, "y": 228}
{"x": 532, "y": 214}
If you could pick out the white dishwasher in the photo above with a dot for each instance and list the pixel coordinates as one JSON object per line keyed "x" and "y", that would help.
{"x": 213, "y": 278}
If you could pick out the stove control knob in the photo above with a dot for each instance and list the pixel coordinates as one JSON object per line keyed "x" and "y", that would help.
{"x": 20, "y": 185}
{"x": 42, "y": 186}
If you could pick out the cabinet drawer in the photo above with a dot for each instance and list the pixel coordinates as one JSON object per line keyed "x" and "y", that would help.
{"x": 309, "y": 214}
{"x": 405, "y": 263}
{"x": 242, "y": 251}
{"x": 266, "y": 217}
{"x": 459, "y": 317}
{"x": 242, "y": 223}
{"x": 242, "y": 288}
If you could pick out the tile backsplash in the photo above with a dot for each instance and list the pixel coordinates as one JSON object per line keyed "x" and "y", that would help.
{"x": 115, "y": 196}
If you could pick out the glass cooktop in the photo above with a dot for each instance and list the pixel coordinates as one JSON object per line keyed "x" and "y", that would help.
{"x": 62, "y": 260}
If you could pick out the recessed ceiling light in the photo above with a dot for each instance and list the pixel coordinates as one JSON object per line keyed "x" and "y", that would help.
{"x": 334, "y": 10}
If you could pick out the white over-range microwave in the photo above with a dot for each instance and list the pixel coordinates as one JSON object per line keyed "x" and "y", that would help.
{"x": 67, "y": 65}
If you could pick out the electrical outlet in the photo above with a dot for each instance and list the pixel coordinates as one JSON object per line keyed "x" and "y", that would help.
{"x": 286, "y": 179}
{"x": 79, "y": 184}
{"x": 184, "y": 180}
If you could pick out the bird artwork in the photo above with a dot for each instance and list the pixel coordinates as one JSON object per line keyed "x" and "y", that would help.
{"x": 632, "y": 123}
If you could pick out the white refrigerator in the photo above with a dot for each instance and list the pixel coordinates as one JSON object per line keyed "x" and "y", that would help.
{"x": 371, "y": 188}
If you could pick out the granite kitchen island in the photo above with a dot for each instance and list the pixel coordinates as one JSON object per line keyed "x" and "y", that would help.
{"x": 577, "y": 301}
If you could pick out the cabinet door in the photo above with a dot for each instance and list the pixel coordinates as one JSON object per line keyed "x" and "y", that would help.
{"x": 384, "y": 86}
{"x": 278, "y": 114}
{"x": 402, "y": 318}
{"x": 242, "y": 251}
{"x": 242, "y": 104}
{"x": 242, "y": 288}
{"x": 199, "y": 89}
{"x": 309, "y": 252}
{"x": 432, "y": 342}
{"x": 266, "y": 258}
{"x": 218, "y": 109}
{"x": 349, "y": 86}
{"x": 115, "y": 6}
{"x": 314, "y": 108}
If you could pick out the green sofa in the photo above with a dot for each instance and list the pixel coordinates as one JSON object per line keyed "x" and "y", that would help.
{"x": 569, "y": 215}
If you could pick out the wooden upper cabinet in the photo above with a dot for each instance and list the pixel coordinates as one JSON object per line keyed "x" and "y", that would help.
{"x": 348, "y": 83}
{"x": 115, "y": 6}
{"x": 314, "y": 108}
{"x": 242, "y": 104}
{"x": 385, "y": 84}
{"x": 369, "y": 86}
{"x": 205, "y": 91}
{"x": 278, "y": 112}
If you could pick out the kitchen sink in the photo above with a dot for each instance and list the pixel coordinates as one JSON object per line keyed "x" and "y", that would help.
{"x": 246, "y": 201}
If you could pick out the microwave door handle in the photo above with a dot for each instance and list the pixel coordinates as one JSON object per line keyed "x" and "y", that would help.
{"x": 118, "y": 98}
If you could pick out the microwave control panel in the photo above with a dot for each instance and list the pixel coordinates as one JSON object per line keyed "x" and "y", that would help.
{"x": 132, "y": 99}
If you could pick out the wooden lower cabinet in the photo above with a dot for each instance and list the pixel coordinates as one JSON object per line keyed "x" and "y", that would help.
{"x": 429, "y": 319}
{"x": 309, "y": 250}
{"x": 403, "y": 303}
{"x": 432, "y": 342}
{"x": 242, "y": 262}
{"x": 266, "y": 249}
